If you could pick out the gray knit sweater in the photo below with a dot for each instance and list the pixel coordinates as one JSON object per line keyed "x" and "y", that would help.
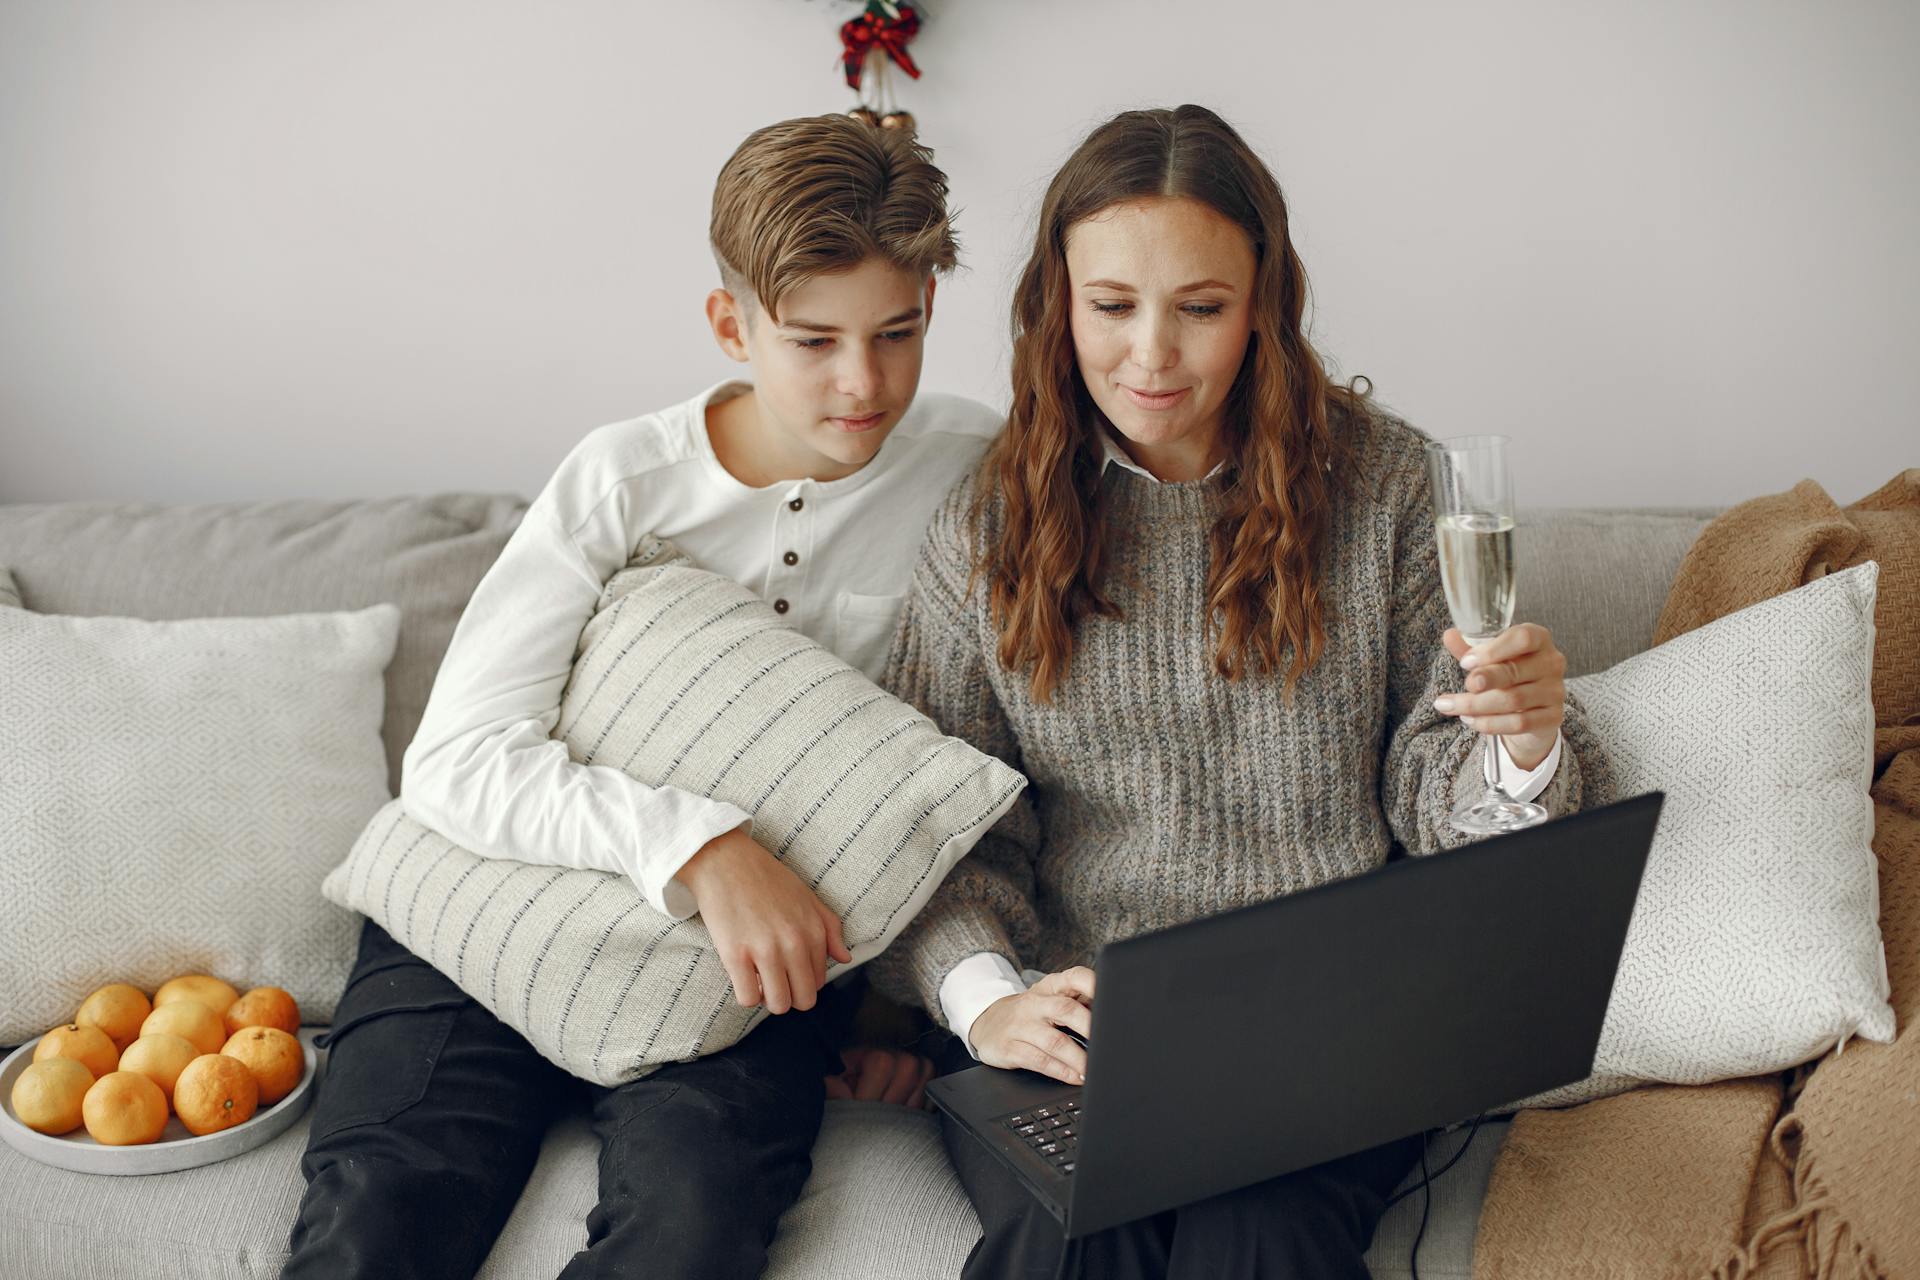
{"x": 1162, "y": 792}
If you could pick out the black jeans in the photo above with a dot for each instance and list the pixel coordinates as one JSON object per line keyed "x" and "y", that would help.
{"x": 431, "y": 1114}
{"x": 1315, "y": 1223}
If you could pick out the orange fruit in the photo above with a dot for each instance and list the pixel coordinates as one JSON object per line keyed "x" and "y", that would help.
{"x": 264, "y": 1007}
{"x": 47, "y": 1095}
{"x": 275, "y": 1058}
{"x": 160, "y": 1058}
{"x": 192, "y": 1021}
{"x": 215, "y": 1092}
{"x": 118, "y": 1010}
{"x": 198, "y": 987}
{"x": 89, "y": 1046}
{"x": 124, "y": 1109}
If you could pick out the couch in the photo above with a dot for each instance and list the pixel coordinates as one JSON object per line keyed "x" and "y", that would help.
{"x": 882, "y": 1200}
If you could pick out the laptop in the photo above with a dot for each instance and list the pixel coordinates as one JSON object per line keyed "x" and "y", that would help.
{"x": 1334, "y": 1020}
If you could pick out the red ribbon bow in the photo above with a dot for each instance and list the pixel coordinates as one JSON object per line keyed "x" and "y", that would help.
{"x": 860, "y": 36}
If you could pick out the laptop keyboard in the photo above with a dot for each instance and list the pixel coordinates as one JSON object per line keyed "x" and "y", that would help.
{"x": 1052, "y": 1132}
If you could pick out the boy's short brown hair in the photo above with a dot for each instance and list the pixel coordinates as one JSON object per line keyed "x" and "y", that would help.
{"x": 819, "y": 194}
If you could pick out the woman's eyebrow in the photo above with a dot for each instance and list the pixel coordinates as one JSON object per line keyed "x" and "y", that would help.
{"x": 1195, "y": 287}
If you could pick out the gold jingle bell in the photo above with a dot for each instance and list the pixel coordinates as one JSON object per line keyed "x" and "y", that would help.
{"x": 865, "y": 115}
{"x": 901, "y": 120}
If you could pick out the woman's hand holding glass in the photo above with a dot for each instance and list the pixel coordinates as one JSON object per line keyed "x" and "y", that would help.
{"x": 1515, "y": 689}
{"x": 1024, "y": 1030}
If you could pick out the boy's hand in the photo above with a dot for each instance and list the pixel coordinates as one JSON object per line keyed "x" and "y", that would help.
{"x": 772, "y": 933}
{"x": 1025, "y": 1030}
{"x": 882, "y": 1075}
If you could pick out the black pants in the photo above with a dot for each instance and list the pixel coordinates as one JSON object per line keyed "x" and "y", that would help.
{"x": 1314, "y": 1223}
{"x": 431, "y": 1114}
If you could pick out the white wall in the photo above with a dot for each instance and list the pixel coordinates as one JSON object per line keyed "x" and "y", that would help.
{"x": 259, "y": 248}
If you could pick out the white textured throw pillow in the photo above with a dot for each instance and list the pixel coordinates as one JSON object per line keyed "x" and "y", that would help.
{"x": 172, "y": 794}
{"x": 687, "y": 678}
{"x": 1755, "y": 944}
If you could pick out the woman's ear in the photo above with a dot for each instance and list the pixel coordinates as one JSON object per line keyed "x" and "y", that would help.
{"x": 727, "y": 317}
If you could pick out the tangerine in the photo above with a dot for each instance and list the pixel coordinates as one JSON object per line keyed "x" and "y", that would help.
{"x": 192, "y": 1021}
{"x": 47, "y": 1096}
{"x": 89, "y": 1046}
{"x": 211, "y": 992}
{"x": 275, "y": 1058}
{"x": 124, "y": 1109}
{"x": 215, "y": 1092}
{"x": 264, "y": 1007}
{"x": 118, "y": 1010}
{"x": 160, "y": 1057}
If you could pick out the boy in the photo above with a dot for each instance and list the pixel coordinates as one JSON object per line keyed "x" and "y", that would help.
{"x": 812, "y": 486}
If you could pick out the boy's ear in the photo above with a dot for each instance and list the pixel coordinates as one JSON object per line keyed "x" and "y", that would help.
{"x": 926, "y": 306}
{"x": 728, "y": 320}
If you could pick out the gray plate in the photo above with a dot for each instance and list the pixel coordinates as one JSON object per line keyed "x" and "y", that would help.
{"x": 176, "y": 1149}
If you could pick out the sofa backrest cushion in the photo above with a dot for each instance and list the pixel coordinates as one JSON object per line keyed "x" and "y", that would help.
{"x": 1597, "y": 578}
{"x": 425, "y": 554}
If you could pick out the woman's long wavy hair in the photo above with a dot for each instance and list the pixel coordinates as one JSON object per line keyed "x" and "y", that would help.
{"x": 1043, "y": 566}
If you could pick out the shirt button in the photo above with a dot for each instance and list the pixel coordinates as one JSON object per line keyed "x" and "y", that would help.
{"x": 792, "y": 557}
{"x": 796, "y": 504}
{"x": 781, "y": 606}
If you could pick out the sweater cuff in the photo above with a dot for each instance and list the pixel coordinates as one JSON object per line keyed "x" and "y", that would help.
{"x": 946, "y": 936}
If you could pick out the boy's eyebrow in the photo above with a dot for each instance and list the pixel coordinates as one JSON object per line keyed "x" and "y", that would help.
{"x": 1185, "y": 288}
{"x": 814, "y": 327}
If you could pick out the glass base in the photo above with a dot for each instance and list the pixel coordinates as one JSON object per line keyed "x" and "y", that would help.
{"x": 1493, "y": 815}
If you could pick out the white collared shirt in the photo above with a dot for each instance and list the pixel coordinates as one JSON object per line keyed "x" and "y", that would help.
{"x": 982, "y": 979}
{"x": 835, "y": 557}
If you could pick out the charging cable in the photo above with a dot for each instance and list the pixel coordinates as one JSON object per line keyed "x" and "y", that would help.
{"x": 1426, "y": 1185}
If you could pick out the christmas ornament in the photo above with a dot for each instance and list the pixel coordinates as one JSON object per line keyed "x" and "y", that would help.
{"x": 886, "y": 27}
{"x": 877, "y": 38}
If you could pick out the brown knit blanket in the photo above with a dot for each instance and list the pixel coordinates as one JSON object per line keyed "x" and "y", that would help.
{"x": 1813, "y": 1173}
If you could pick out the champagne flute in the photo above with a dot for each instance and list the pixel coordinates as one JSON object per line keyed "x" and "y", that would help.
{"x": 1473, "y": 524}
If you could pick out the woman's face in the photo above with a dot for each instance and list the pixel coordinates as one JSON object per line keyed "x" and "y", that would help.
{"x": 1162, "y": 297}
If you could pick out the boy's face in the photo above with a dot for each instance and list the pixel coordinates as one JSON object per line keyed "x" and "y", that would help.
{"x": 836, "y": 370}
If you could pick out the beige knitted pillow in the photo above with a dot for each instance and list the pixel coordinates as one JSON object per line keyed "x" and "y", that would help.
{"x": 687, "y": 678}
{"x": 1755, "y": 943}
{"x": 172, "y": 794}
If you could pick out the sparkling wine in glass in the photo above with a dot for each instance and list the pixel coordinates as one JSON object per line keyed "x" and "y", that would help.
{"x": 1473, "y": 525}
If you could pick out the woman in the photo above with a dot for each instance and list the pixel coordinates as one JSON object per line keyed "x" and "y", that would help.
{"x": 1193, "y": 593}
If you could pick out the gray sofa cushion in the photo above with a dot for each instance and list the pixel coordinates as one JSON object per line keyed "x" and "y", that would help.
{"x": 1598, "y": 579}
{"x": 882, "y": 1201}
{"x": 145, "y": 561}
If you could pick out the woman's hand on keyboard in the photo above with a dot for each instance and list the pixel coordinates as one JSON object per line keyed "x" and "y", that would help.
{"x": 1024, "y": 1030}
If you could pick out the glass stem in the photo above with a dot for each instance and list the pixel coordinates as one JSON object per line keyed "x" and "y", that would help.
{"x": 1490, "y": 764}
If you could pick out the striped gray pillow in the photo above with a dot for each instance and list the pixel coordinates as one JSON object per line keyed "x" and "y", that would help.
{"x": 685, "y": 677}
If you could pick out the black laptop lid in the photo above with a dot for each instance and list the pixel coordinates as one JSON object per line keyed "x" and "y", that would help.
{"x": 1365, "y": 1010}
